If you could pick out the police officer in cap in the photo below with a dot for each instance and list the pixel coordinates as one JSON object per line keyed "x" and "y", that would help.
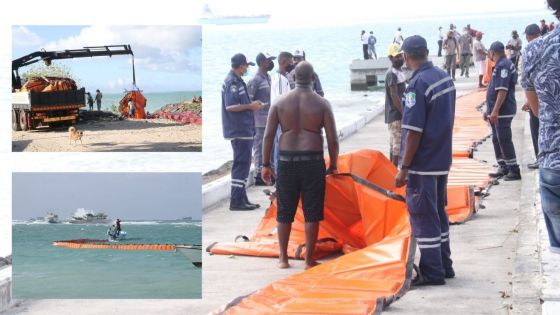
{"x": 259, "y": 89}
{"x": 239, "y": 126}
{"x": 500, "y": 111}
{"x": 425, "y": 159}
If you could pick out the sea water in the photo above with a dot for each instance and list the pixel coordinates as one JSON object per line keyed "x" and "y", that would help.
{"x": 155, "y": 100}
{"x": 331, "y": 50}
{"x": 44, "y": 271}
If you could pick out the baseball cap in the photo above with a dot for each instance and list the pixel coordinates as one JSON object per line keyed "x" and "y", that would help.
{"x": 414, "y": 43}
{"x": 496, "y": 46}
{"x": 394, "y": 50}
{"x": 239, "y": 59}
{"x": 532, "y": 29}
{"x": 264, "y": 56}
{"x": 298, "y": 53}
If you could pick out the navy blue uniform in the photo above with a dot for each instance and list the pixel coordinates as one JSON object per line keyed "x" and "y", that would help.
{"x": 504, "y": 78}
{"x": 239, "y": 127}
{"x": 430, "y": 109}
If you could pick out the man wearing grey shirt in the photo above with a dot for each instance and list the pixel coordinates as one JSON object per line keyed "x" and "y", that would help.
{"x": 466, "y": 46}
{"x": 514, "y": 46}
{"x": 451, "y": 51}
{"x": 259, "y": 89}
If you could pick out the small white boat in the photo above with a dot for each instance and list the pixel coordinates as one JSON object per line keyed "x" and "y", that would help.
{"x": 52, "y": 218}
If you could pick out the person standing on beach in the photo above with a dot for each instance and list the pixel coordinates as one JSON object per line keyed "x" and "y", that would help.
{"x": 466, "y": 46}
{"x": 541, "y": 70}
{"x": 395, "y": 84}
{"x": 532, "y": 32}
{"x": 440, "y": 40}
{"x": 259, "y": 89}
{"x": 480, "y": 54}
{"x": 364, "y": 39}
{"x": 427, "y": 128}
{"x": 451, "y": 52}
{"x": 514, "y": 46}
{"x": 398, "y": 39}
{"x": 500, "y": 111}
{"x": 118, "y": 227}
{"x": 238, "y": 126}
{"x": 301, "y": 114}
{"x": 90, "y": 101}
{"x": 98, "y": 97}
{"x": 371, "y": 46}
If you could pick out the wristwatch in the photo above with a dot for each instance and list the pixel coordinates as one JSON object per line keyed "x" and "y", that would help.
{"x": 266, "y": 165}
{"x": 405, "y": 167}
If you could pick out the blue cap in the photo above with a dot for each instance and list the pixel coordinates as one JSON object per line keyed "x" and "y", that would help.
{"x": 532, "y": 29}
{"x": 414, "y": 43}
{"x": 239, "y": 59}
{"x": 496, "y": 46}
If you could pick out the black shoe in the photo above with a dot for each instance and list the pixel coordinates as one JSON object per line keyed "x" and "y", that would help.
{"x": 259, "y": 181}
{"x": 244, "y": 207}
{"x": 500, "y": 172}
{"x": 534, "y": 165}
{"x": 256, "y": 205}
{"x": 420, "y": 280}
{"x": 511, "y": 176}
{"x": 449, "y": 274}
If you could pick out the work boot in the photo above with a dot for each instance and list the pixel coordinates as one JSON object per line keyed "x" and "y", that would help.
{"x": 534, "y": 165}
{"x": 420, "y": 280}
{"x": 242, "y": 207}
{"x": 449, "y": 274}
{"x": 511, "y": 176}
{"x": 500, "y": 172}
{"x": 480, "y": 85}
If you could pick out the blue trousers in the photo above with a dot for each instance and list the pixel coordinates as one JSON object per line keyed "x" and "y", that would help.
{"x": 240, "y": 170}
{"x": 426, "y": 197}
{"x": 550, "y": 199}
{"x": 503, "y": 144}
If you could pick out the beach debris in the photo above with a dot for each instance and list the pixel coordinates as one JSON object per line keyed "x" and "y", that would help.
{"x": 184, "y": 113}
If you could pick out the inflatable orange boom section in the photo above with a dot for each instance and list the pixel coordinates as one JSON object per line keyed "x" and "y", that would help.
{"x": 364, "y": 220}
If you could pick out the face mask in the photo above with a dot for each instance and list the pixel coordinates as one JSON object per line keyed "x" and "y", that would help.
{"x": 290, "y": 67}
{"x": 270, "y": 65}
{"x": 398, "y": 63}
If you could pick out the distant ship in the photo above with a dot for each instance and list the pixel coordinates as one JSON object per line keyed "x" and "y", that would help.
{"x": 84, "y": 217}
{"x": 208, "y": 17}
{"x": 52, "y": 218}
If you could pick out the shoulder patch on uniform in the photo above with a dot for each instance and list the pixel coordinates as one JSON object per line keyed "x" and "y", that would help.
{"x": 410, "y": 99}
{"x": 504, "y": 73}
{"x": 233, "y": 88}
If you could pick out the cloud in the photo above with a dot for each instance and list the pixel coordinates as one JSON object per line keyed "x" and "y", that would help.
{"x": 156, "y": 48}
{"x": 22, "y": 36}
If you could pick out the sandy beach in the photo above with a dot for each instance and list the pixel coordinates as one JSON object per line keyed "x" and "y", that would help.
{"x": 154, "y": 135}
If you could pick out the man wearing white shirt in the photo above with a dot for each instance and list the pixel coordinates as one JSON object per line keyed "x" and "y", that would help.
{"x": 364, "y": 39}
{"x": 280, "y": 85}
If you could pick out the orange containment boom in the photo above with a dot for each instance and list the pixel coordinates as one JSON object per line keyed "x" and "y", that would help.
{"x": 139, "y": 102}
{"x": 103, "y": 244}
{"x": 364, "y": 218}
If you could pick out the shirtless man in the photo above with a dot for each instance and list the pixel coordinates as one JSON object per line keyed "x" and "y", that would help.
{"x": 301, "y": 114}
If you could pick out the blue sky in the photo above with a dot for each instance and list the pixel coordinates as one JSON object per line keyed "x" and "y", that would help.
{"x": 128, "y": 196}
{"x": 167, "y": 58}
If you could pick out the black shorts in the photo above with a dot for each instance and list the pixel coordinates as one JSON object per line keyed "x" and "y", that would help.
{"x": 300, "y": 174}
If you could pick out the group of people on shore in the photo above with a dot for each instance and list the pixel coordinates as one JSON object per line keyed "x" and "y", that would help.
{"x": 420, "y": 114}
{"x": 98, "y": 97}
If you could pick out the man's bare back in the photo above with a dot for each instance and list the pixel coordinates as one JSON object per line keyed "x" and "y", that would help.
{"x": 302, "y": 114}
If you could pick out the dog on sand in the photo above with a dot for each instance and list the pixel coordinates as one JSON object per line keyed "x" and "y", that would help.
{"x": 75, "y": 135}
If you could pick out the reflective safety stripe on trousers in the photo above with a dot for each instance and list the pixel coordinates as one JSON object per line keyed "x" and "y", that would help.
{"x": 432, "y": 242}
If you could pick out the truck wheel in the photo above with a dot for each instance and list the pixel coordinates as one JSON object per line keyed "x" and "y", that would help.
{"x": 15, "y": 121}
{"x": 23, "y": 120}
